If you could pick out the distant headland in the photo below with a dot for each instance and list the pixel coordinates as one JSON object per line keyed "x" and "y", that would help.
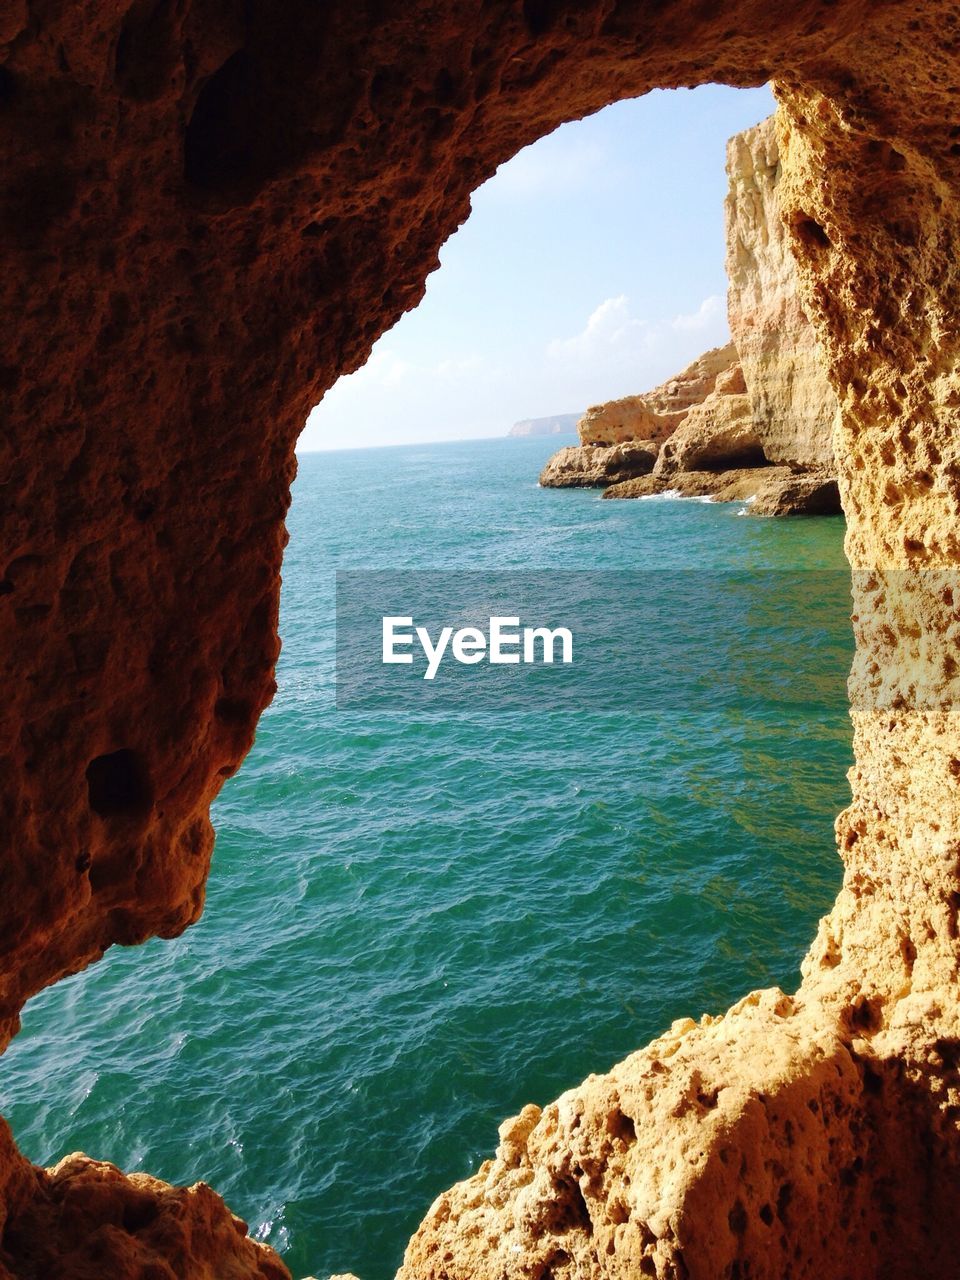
{"x": 561, "y": 424}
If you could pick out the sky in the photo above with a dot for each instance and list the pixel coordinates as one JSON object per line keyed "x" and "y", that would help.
{"x": 590, "y": 268}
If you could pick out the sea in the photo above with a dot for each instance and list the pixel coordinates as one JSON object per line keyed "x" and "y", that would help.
{"x": 417, "y": 923}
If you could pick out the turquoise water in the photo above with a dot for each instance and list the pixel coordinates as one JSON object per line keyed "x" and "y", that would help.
{"x": 415, "y": 925}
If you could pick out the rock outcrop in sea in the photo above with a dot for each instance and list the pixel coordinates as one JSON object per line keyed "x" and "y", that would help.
{"x": 752, "y": 420}
{"x": 589, "y": 465}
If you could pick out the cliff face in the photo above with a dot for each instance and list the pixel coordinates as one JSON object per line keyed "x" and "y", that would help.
{"x": 718, "y": 434}
{"x": 209, "y": 212}
{"x": 657, "y": 413}
{"x": 85, "y": 1220}
{"x": 766, "y": 394}
{"x": 793, "y": 404}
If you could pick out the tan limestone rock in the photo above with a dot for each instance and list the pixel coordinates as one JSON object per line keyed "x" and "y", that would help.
{"x": 655, "y": 414}
{"x": 588, "y": 466}
{"x": 673, "y": 398}
{"x": 718, "y": 435}
{"x": 640, "y": 487}
{"x": 742, "y": 484}
{"x": 617, "y": 421}
{"x": 793, "y": 403}
{"x": 767, "y": 491}
{"x": 773, "y": 361}
{"x": 694, "y": 1157}
{"x": 802, "y": 493}
{"x": 855, "y": 1178}
{"x": 86, "y": 1220}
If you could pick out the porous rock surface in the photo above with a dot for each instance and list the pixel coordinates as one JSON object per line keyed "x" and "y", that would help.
{"x": 809, "y": 493}
{"x": 766, "y": 490}
{"x": 86, "y": 1219}
{"x": 718, "y": 451}
{"x": 209, "y": 211}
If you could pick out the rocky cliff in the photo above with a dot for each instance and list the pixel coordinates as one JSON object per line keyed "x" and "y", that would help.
{"x": 793, "y": 405}
{"x": 655, "y": 414}
{"x": 763, "y": 401}
{"x": 209, "y": 212}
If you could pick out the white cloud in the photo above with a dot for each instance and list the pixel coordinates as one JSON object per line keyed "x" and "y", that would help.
{"x": 614, "y": 337}
{"x": 610, "y": 331}
{"x": 385, "y": 367}
{"x": 615, "y": 353}
{"x": 711, "y": 312}
{"x": 618, "y": 353}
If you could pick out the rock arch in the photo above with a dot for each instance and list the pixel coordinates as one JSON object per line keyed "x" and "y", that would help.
{"x": 209, "y": 211}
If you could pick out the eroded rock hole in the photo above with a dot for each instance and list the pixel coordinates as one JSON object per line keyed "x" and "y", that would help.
{"x": 621, "y": 1126}
{"x": 219, "y": 152}
{"x": 119, "y": 785}
{"x": 571, "y": 1212}
{"x": 737, "y": 1219}
{"x": 743, "y": 459}
{"x": 811, "y": 233}
{"x": 784, "y": 1198}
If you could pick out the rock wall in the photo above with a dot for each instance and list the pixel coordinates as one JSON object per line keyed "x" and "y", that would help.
{"x": 719, "y": 433}
{"x": 209, "y": 211}
{"x": 764, "y": 491}
{"x": 793, "y": 404}
{"x": 766, "y": 392}
{"x": 85, "y": 1220}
